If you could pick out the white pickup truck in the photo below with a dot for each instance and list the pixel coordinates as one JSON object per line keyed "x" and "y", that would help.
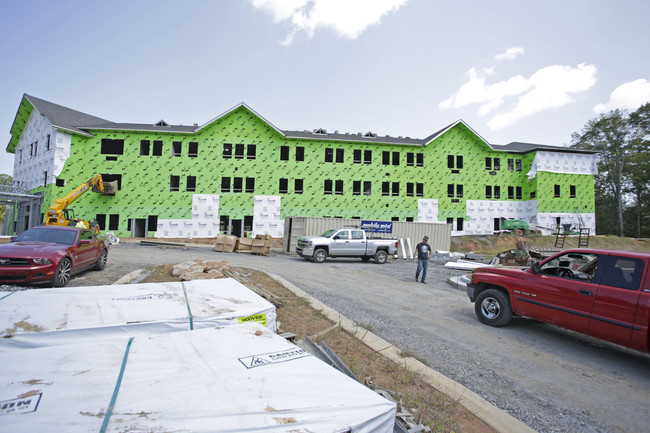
{"x": 345, "y": 243}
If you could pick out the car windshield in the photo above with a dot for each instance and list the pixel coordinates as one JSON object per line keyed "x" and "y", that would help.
{"x": 329, "y": 233}
{"x": 65, "y": 237}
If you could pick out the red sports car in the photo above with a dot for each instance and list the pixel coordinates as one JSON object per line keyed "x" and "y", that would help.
{"x": 51, "y": 254}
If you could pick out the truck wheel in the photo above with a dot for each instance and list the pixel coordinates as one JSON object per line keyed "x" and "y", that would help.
{"x": 381, "y": 257}
{"x": 493, "y": 308}
{"x": 320, "y": 255}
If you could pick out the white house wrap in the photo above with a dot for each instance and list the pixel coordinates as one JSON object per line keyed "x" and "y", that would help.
{"x": 233, "y": 379}
{"x": 54, "y": 316}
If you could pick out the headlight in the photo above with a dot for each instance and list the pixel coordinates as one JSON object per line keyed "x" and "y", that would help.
{"x": 42, "y": 261}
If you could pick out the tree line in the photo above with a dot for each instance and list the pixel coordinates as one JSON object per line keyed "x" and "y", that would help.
{"x": 622, "y": 186}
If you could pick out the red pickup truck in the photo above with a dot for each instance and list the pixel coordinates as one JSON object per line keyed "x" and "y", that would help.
{"x": 602, "y": 293}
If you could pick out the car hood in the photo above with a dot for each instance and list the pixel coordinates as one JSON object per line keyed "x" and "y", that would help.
{"x": 29, "y": 248}
{"x": 502, "y": 270}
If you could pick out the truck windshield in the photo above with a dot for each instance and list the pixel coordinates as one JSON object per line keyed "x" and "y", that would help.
{"x": 329, "y": 233}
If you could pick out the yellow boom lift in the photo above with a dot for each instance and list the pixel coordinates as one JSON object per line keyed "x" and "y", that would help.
{"x": 60, "y": 215}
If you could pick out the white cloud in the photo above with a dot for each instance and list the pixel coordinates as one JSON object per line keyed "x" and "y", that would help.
{"x": 509, "y": 54}
{"x": 549, "y": 87}
{"x": 347, "y": 18}
{"x": 627, "y": 96}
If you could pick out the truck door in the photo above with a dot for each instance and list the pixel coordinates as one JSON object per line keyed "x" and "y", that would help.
{"x": 563, "y": 293}
{"x": 616, "y": 300}
{"x": 340, "y": 243}
{"x": 358, "y": 243}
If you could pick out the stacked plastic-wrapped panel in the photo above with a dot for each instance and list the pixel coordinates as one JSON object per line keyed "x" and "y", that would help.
{"x": 34, "y": 318}
{"x": 267, "y": 216}
{"x": 203, "y": 224}
{"x": 232, "y": 379}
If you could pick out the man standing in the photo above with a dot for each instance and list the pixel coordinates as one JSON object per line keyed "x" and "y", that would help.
{"x": 422, "y": 254}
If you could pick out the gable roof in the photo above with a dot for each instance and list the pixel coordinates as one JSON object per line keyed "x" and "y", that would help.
{"x": 80, "y": 123}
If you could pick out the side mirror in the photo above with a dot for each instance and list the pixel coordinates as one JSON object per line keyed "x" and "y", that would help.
{"x": 535, "y": 268}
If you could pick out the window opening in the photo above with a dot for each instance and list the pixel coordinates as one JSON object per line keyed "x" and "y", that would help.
{"x": 395, "y": 158}
{"x": 556, "y": 190}
{"x": 300, "y": 153}
{"x": 385, "y": 157}
{"x": 284, "y": 153}
{"x": 356, "y": 156}
{"x": 340, "y": 155}
{"x": 237, "y": 184}
{"x": 227, "y": 150}
{"x": 193, "y": 149}
{"x": 107, "y": 177}
{"x": 367, "y": 156}
{"x": 497, "y": 163}
{"x": 367, "y": 190}
{"x": 327, "y": 188}
{"x": 329, "y": 154}
{"x": 152, "y": 223}
{"x": 385, "y": 188}
{"x": 356, "y": 187}
{"x": 173, "y": 182}
{"x": 112, "y": 147}
{"x": 511, "y": 193}
{"x": 101, "y": 221}
{"x": 225, "y": 184}
{"x": 250, "y": 184}
{"x": 239, "y": 151}
{"x": 395, "y": 188}
{"x": 113, "y": 222}
{"x": 338, "y": 187}
{"x": 157, "y": 148}
{"x": 176, "y": 148}
{"x": 191, "y": 183}
{"x": 145, "y": 147}
{"x": 572, "y": 191}
{"x": 284, "y": 186}
{"x": 251, "y": 151}
{"x": 297, "y": 186}
{"x": 419, "y": 189}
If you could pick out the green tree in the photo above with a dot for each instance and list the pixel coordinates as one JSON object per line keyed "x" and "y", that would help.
{"x": 610, "y": 135}
{"x": 638, "y": 168}
{"x": 622, "y": 141}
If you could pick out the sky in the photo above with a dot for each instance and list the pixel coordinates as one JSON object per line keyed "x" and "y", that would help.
{"x": 514, "y": 71}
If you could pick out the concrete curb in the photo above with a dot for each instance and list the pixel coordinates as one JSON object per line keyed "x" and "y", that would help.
{"x": 494, "y": 417}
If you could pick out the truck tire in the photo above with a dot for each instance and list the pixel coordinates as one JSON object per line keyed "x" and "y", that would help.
{"x": 320, "y": 255}
{"x": 381, "y": 257}
{"x": 493, "y": 308}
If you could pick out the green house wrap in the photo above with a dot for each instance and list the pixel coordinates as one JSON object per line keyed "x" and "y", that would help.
{"x": 239, "y": 174}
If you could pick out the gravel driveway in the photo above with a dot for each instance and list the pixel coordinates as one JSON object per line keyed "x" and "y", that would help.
{"x": 551, "y": 379}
